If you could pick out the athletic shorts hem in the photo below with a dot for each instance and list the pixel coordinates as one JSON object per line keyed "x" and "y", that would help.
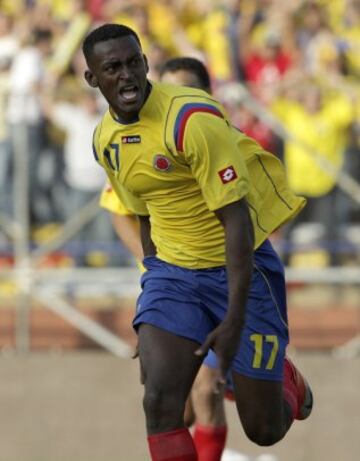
{"x": 182, "y": 334}
{"x": 259, "y": 375}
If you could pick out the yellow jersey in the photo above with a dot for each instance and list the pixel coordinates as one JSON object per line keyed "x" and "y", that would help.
{"x": 178, "y": 163}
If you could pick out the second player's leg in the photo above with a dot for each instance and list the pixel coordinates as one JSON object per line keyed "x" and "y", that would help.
{"x": 210, "y": 429}
{"x": 208, "y": 406}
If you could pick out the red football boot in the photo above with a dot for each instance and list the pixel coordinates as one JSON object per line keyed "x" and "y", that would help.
{"x": 304, "y": 394}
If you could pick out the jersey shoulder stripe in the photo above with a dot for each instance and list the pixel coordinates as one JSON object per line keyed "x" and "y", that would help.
{"x": 94, "y": 148}
{"x": 96, "y": 141}
{"x": 183, "y": 116}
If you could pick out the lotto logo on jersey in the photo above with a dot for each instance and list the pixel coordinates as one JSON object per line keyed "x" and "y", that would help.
{"x": 161, "y": 163}
{"x": 131, "y": 139}
{"x": 227, "y": 174}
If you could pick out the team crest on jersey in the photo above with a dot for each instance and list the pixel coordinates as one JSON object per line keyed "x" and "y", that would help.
{"x": 161, "y": 163}
{"x": 131, "y": 139}
{"x": 228, "y": 174}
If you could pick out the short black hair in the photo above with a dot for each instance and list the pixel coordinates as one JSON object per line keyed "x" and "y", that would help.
{"x": 190, "y": 64}
{"x": 104, "y": 33}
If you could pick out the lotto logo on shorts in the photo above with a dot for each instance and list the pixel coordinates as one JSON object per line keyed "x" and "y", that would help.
{"x": 227, "y": 174}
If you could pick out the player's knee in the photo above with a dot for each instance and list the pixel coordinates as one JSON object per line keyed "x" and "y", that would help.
{"x": 203, "y": 390}
{"x": 156, "y": 402}
{"x": 209, "y": 406}
{"x": 189, "y": 415}
{"x": 263, "y": 434}
{"x": 162, "y": 409}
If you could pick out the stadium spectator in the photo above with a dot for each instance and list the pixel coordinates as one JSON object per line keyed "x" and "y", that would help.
{"x": 24, "y": 112}
{"x": 83, "y": 178}
{"x": 319, "y": 128}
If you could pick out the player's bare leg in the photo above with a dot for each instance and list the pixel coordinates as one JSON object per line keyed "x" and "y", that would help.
{"x": 208, "y": 405}
{"x": 189, "y": 415}
{"x": 169, "y": 367}
{"x": 268, "y": 408}
{"x": 210, "y": 429}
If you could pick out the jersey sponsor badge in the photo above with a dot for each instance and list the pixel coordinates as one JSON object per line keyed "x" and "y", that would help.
{"x": 227, "y": 174}
{"x": 161, "y": 163}
{"x": 131, "y": 139}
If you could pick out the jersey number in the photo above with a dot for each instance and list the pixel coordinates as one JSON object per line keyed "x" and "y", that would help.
{"x": 258, "y": 341}
{"x": 113, "y": 161}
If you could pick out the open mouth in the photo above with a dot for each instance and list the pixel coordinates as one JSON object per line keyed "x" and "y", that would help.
{"x": 129, "y": 93}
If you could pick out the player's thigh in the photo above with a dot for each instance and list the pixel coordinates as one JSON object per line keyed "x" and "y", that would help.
{"x": 259, "y": 402}
{"x": 168, "y": 361}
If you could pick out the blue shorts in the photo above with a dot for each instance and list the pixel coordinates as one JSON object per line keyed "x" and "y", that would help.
{"x": 192, "y": 302}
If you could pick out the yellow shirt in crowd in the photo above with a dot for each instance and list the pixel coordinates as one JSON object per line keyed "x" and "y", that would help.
{"x": 324, "y": 131}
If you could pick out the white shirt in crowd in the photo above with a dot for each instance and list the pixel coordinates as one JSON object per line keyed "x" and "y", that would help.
{"x": 27, "y": 71}
{"x": 81, "y": 170}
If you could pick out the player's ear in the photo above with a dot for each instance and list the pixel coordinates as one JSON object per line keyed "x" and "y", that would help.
{"x": 146, "y": 63}
{"x": 91, "y": 79}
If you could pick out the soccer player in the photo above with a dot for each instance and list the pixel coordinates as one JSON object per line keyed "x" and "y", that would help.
{"x": 210, "y": 428}
{"x": 171, "y": 156}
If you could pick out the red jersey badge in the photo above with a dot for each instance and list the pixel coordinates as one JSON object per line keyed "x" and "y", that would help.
{"x": 161, "y": 163}
{"x": 227, "y": 174}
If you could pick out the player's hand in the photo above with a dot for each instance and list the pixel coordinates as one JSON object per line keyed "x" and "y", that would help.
{"x": 136, "y": 352}
{"x": 224, "y": 340}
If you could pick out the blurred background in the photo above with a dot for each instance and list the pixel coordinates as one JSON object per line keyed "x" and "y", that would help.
{"x": 288, "y": 74}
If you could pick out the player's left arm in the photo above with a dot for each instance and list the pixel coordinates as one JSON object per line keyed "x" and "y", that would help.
{"x": 239, "y": 245}
{"x": 212, "y": 153}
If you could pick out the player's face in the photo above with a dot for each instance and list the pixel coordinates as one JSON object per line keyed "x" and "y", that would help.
{"x": 118, "y": 68}
{"x": 182, "y": 78}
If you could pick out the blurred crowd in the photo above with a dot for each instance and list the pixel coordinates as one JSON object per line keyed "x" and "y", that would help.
{"x": 288, "y": 73}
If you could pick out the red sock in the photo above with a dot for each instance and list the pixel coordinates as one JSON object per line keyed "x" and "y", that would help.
{"x": 290, "y": 390}
{"x": 175, "y": 445}
{"x": 209, "y": 442}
